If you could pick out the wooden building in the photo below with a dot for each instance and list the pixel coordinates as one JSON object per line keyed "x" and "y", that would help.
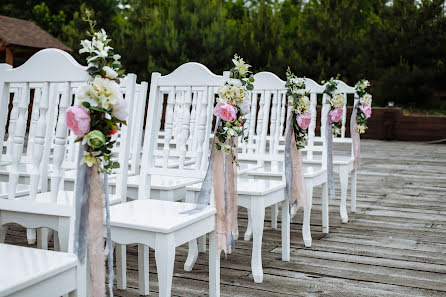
{"x": 20, "y": 39}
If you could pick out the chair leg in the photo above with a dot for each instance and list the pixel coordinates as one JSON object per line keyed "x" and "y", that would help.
{"x": 274, "y": 212}
{"x": 285, "y": 231}
{"x": 343, "y": 178}
{"x": 81, "y": 284}
{"x": 165, "y": 259}
{"x": 31, "y": 235}
{"x": 325, "y": 220}
{"x": 143, "y": 269}
{"x": 248, "y": 232}
{"x": 42, "y": 238}
{"x": 121, "y": 266}
{"x": 306, "y": 230}
{"x": 353, "y": 191}
{"x": 258, "y": 220}
{"x": 202, "y": 244}
{"x": 214, "y": 266}
{"x": 191, "y": 256}
{"x": 64, "y": 234}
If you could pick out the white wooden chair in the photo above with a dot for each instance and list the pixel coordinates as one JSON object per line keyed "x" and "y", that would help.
{"x": 35, "y": 272}
{"x": 269, "y": 151}
{"x": 164, "y": 225}
{"x": 257, "y": 194}
{"x": 342, "y": 163}
{"x": 47, "y": 208}
{"x": 50, "y": 209}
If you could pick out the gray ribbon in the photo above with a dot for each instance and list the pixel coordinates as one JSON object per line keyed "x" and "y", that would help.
{"x": 82, "y": 191}
{"x": 288, "y": 162}
{"x": 206, "y": 187}
{"x": 111, "y": 273}
{"x": 329, "y": 141}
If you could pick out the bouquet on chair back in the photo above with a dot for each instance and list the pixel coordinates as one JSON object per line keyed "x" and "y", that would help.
{"x": 99, "y": 111}
{"x": 300, "y": 104}
{"x": 101, "y": 108}
{"x": 364, "y": 106}
{"x": 337, "y": 103}
{"x": 233, "y": 106}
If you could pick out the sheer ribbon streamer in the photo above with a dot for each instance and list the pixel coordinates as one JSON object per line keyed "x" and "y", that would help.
{"x": 92, "y": 191}
{"x": 355, "y": 138}
{"x": 294, "y": 177}
{"x": 329, "y": 141}
{"x": 222, "y": 170}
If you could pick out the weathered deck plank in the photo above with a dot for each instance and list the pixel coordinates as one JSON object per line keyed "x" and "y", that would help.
{"x": 395, "y": 245}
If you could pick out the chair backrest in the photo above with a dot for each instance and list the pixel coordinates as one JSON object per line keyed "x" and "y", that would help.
{"x": 187, "y": 96}
{"x": 267, "y": 125}
{"x": 54, "y": 74}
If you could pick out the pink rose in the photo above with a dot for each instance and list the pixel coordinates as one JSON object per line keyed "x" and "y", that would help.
{"x": 304, "y": 120}
{"x": 335, "y": 115}
{"x": 366, "y": 110}
{"x": 78, "y": 120}
{"x": 226, "y": 112}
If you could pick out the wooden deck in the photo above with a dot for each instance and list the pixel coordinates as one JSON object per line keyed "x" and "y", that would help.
{"x": 395, "y": 245}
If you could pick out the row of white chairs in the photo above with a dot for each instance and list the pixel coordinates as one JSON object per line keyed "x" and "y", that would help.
{"x": 174, "y": 159}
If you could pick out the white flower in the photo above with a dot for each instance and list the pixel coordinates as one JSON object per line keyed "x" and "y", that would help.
{"x": 116, "y": 57}
{"x": 361, "y": 129}
{"x": 120, "y": 110}
{"x": 240, "y": 65}
{"x": 290, "y": 100}
{"x": 101, "y": 35}
{"x": 299, "y": 82}
{"x": 245, "y": 107}
{"x": 86, "y": 94}
{"x": 304, "y": 104}
{"x": 86, "y": 46}
{"x": 366, "y": 100}
{"x": 338, "y": 100}
{"x": 109, "y": 72}
{"x": 106, "y": 91}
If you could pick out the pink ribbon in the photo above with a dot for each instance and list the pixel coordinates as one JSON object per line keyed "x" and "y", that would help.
{"x": 294, "y": 177}
{"x": 355, "y": 138}
{"x": 225, "y": 196}
{"x": 96, "y": 234}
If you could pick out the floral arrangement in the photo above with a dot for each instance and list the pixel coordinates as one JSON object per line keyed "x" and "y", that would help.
{"x": 300, "y": 102}
{"x": 364, "y": 107}
{"x": 337, "y": 102}
{"x": 101, "y": 107}
{"x": 233, "y": 105}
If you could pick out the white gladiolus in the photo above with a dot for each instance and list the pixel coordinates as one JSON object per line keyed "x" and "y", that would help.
{"x": 298, "y": 81}
{"x": 87, "y": 47}
{"x": 109, "y": 72}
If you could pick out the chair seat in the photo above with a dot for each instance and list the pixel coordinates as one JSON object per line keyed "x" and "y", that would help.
{"x": 156, "y": 215}
{"x": 254, "y": 187}
{"x": 309, "y": 170}
{"x": 163, "y": 182}
{"x": 23, "y": 267}
{"x": 337, "y": 160}
{"x": 43, "y": 204}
